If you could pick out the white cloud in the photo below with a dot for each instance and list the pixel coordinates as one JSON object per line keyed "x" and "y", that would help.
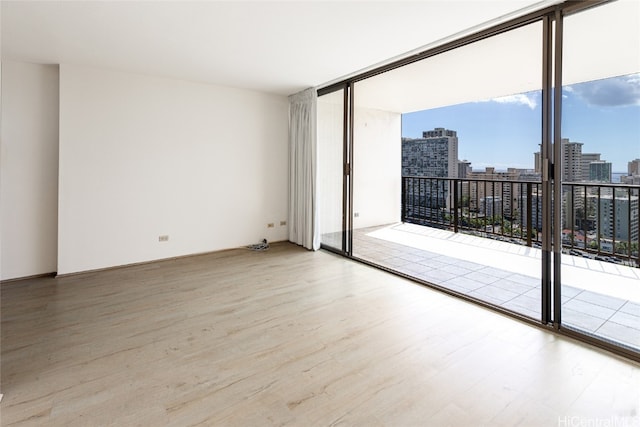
{"x": 611, "y": 92}
{"x": 519, "y": 99}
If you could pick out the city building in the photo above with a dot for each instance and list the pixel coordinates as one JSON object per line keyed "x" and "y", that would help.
{"x": 536, "y": 211}
{"x": 464, "y": 168}
{"x": 491, "y": 206}
{"x": 600, "y": 171}
{"x": 537, "y": 162}
{"x": 619, "y": 218}
{"x": 433, "y": 155}
{"x": 576, "y": 165}
{"x": 529, "y": 175}
{"x": 587, "y": 158}
{"x": 571, "y": 161}
{"x": 630, "y": 179}
{"x": 633, "y": 173}
{"x": 491, "y": 183}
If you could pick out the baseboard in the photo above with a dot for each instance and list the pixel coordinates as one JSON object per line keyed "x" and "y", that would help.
{"x": 34, "y": 276}
{"x": 135, "y": 264}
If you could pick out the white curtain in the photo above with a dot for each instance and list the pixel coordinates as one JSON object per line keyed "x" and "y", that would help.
{"x": 303, "y": 218}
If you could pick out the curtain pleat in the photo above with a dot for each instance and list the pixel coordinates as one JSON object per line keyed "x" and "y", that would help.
{"x": 303, "y": 218}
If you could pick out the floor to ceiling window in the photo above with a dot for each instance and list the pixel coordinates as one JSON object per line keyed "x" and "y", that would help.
{"x": 444, "y": 169}
{"x": 441, "y": 168}
{"x": 601, "y": 142}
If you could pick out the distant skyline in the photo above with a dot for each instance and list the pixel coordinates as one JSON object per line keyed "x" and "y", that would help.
{"x": 504, "y": 132}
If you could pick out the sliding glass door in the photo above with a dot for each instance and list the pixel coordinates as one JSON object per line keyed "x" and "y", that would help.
{"x": 503, "y": 168}
{"x": 446, "y": 187}
{"x": 333, "y": 191}
{"x": 600, "y": 146}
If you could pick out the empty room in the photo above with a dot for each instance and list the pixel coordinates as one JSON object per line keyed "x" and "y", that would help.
{"x": 308, "y": 213}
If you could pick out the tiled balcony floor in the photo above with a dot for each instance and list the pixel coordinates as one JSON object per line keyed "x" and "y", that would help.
{"x": 600, "y": 298}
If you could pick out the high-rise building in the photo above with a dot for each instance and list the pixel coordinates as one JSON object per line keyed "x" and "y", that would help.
{"x": 536, "y": 211}
{"x": 484, "y": 188}
{"x": 600, "y": 171}
{"x": 575, "y": 163}
{"x": 587, "y": 158}
{"x": 633, "y": 167}
{"x": 619, "y": 217}
{"x": 509, "y": 193}
{"x": 433, "y": 155}
{"x": 537, "y": 162}
{"x": 491, "y": 206}
{"x": 571, "y": 161}
{"x": 464, "y": 168}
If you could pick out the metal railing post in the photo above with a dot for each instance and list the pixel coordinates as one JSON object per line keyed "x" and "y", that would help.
{"x": 455, "y": 205}
{"x": 403, "y": 213}
{"x": 529, "y": 214}
{"x": 599, "y": 220}
{"x": 629, "y": 225}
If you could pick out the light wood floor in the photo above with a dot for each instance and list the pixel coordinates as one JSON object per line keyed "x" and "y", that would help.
{"x": 288, "y": 337}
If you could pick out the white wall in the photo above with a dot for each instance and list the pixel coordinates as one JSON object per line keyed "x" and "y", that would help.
{"x": 377, "y": 171}
{"x": 142, "y": 156}
{"x": 29, "y": 169}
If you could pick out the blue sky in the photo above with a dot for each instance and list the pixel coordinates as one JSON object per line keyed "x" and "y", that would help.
{"x": 505, "y": 132}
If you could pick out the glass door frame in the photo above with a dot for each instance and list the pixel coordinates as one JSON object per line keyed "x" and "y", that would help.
{"x": 347, "y": 162}
{"x": 557, "y": 172}
{"x": 551, "y": 155}
{"x": 561, "y": 12}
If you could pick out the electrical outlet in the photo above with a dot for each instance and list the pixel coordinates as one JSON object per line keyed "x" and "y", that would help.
{"x": 282, "y": 223}
{"x": 270, "y": 225}
{"x": 356, "y": 214}
{"x": 163, "y": 238}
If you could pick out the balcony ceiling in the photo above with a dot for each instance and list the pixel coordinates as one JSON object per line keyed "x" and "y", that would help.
{"x": 277, "y": 47}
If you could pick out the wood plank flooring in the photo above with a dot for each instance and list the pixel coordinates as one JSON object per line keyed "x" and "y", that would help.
{"x": 287, "y": 337}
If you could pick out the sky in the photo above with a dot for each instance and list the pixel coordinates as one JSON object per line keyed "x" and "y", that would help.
{"x": 505, "y": 132}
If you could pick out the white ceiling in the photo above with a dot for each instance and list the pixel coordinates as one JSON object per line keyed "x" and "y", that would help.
{"x": 278, "y": 47}
{"x": 510, "y": 64}
{"x": 502, "y": 65}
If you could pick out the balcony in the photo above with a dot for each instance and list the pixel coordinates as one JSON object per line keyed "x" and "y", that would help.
{"x": 599, "y": 221}
{"x": 463, "y": 235}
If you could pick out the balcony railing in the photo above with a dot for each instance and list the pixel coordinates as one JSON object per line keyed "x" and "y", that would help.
{"x": 599, "y": 220}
